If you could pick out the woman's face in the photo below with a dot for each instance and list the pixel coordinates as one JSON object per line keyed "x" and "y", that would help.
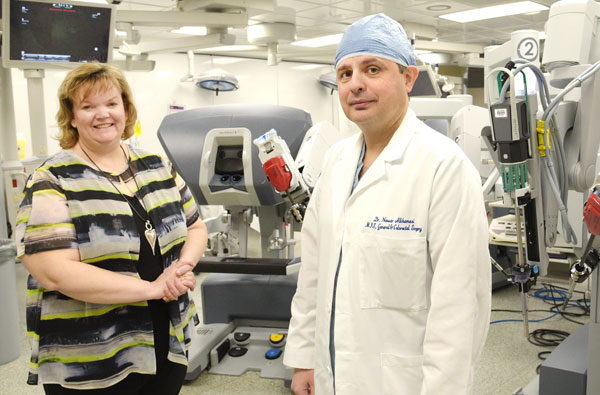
{"x": 98, "y": 115}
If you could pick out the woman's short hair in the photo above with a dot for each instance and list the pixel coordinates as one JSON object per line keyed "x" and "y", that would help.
{"x": 92, "y": 76}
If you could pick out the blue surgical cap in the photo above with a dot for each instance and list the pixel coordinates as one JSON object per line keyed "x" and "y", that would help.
{"x": 376, "y": 35}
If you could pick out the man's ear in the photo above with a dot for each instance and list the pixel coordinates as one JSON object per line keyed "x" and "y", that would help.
{"x": 410, "y": 76}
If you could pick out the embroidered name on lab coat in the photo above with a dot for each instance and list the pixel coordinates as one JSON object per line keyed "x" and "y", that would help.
{"x": 398, "y": 224}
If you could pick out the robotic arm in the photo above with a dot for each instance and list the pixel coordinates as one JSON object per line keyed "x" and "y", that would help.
{"x": 543, "y": 158}
{"x": 282, "y": 172}
{"x": 582, "y": 268}
{"x": 294, "y": 179}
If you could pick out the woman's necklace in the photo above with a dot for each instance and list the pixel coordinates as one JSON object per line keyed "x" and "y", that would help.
{"x": 150, "y": 232}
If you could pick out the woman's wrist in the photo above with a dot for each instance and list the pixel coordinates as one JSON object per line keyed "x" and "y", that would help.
{"x": 152, "y": 290}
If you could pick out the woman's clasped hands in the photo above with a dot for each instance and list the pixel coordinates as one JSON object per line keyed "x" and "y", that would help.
{"x": 176, "y": 279}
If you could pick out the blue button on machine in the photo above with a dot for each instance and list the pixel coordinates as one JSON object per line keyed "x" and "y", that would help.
{"x": 273, "y": 353}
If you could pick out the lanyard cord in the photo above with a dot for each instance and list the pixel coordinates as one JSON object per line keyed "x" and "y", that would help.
{"x": 147, "y": 221}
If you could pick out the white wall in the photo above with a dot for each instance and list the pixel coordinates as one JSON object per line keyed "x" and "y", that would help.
{"x": 288, "y": 83}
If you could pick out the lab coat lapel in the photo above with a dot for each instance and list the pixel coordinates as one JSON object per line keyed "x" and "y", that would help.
{"x": 391, "y": 153}
{"x": 345, "y": 168}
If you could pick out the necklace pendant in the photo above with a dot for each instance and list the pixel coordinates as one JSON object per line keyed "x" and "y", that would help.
{"x": 150, "y": 234}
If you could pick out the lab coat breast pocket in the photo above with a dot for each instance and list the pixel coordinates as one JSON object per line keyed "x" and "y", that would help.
{"x": 392, "y": 272}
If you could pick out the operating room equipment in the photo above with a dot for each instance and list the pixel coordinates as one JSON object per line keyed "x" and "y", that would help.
{"x": 211, "y": 147}
{"x": 559, "y": 153}
{"x": 281, "y": 173}
{"x": 426, "y": 84}
{"x": 464, "y": 121}
{"x": 582, "y": 268}
{"x": 295, "y": 178}
{"x": 9, "y": 159}
{"x": 26, "y": 45}
{"x": 215, "y": 80}
{"x": 522, "y": 154}
{"x": 510, "y": 134}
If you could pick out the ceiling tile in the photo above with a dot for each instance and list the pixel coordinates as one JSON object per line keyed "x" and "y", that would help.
{"x": 147, "y": 5}
{"x": 484, "y": 3}
{"x": 315, "y": 2}
{"x": 364, "y": 7}
{"x": 302, "y": 23}
{"x": 418, "y": 17}
{"x": 311, "y": 23}
{"x": 296, "y": 4}
{"x": 401, "y": 3}
{"x": 329, "y": 14}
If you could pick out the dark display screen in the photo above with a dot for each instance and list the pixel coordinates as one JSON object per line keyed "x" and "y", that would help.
{"x": 424, "y": 86}
{"x": 59, "y": 32}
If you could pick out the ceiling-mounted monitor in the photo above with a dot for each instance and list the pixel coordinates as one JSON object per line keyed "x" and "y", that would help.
{"x": 41, "y": 34}
{"x": 426, "y": 84}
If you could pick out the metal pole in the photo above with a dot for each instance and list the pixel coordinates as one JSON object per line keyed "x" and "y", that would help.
{"x": 37, "y": 112}
{"x": 9, "y": 153}
{"x": 8, "y": 135}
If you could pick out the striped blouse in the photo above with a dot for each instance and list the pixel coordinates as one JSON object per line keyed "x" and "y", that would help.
{"x": 68, "y": 204}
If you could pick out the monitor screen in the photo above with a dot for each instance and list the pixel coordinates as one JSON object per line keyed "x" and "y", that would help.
{"x": 426, "y": 84}
{"x": 475, "y": 77}
{"x": 42, "y": 34}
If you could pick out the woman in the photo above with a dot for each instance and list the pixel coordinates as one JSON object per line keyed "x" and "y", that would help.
{"x": 110, "y": 234}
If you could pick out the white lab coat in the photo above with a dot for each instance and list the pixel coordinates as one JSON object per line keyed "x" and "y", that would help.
{"x": 414, "y": 289}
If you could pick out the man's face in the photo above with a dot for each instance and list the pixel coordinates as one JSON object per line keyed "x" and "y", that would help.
{"x": 373, "y": 92}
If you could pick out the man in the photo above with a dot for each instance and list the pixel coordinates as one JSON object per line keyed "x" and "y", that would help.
{"x": 395, "y": 286}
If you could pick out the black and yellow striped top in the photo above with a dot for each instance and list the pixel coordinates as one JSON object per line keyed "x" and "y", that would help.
{"x": 69, "y": 204}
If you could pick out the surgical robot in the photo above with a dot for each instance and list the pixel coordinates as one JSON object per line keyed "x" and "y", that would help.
{"x": 292, "y": 178}
{"x": 246, "y": 300}
{"x": 545, "y": 144}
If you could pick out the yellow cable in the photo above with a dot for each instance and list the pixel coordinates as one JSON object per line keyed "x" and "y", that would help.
{"x": 540, "y": 134}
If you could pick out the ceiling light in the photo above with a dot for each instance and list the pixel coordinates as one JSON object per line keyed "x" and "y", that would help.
{"x": 308, "y": 67}
{"x": 164, "y": 74}
{"x": 496, "y": 11}
{"x": 217, "y": 81}
{"x": 319, "y": 41}
{"x": 329, "y": 81}
{"x": 438, "y": 7}
{"x": 192, "y": 30}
